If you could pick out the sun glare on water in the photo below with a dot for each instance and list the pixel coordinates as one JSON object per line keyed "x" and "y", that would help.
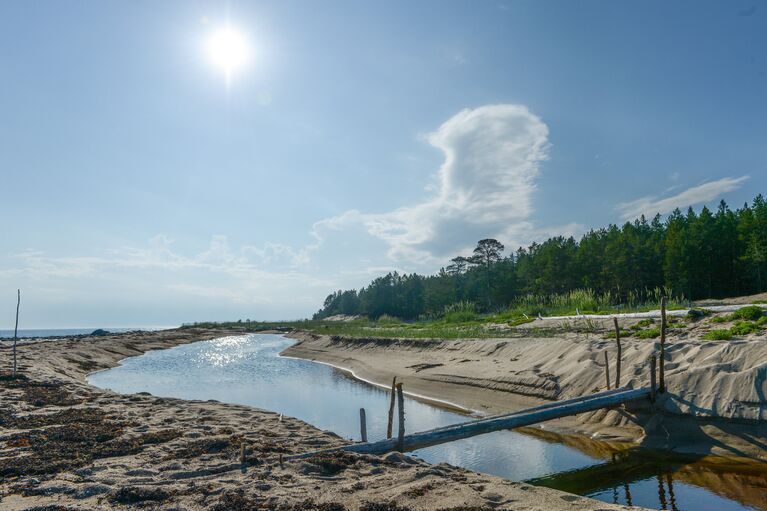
{"x": 228, "y": 50}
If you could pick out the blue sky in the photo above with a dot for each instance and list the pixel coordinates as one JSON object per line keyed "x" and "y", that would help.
{"x": 139, "y": 188}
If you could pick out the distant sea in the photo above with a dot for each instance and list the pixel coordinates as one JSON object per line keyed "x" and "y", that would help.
{"x": 64, "y": 332}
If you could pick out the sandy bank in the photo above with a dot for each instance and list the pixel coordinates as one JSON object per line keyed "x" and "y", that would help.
{"x": 719, "y": 386}
{"x": 68, "y": 445}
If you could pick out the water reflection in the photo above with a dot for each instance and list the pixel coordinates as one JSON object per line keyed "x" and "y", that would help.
{"x": 247, "y": 370}
{"x": 640, "y": 478}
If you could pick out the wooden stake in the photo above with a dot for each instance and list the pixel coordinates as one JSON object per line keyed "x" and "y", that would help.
{"x": 16, "y": 329}
{"x": 607, "y": 370}
{"x": 363, "y": 426}
{"x": 662, "y": 384}
{"x": 242, "y": 452}
{"x": 401, "y": 403}
{"x": 391, "y": 407}
{"x": 618, "y": 362}
{"x": 652, "y": 378}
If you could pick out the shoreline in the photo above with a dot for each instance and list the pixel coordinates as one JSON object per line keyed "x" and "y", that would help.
{"x": 147, "y": 450}
{"x": 465, "y": 372}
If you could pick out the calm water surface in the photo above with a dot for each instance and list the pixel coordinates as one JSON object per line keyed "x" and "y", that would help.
{"x": 248, "y": 370}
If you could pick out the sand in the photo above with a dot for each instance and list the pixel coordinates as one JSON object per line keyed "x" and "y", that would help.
{"x": 715, "y": 403}
{"x": 67, "y": 445}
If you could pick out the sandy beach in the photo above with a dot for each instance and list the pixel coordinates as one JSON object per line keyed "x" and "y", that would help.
{"x": 68, "y": 445}
{"x": 714, "y": 405}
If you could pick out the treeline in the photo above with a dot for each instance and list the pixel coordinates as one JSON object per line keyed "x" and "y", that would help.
{"x": 697, "y": 255}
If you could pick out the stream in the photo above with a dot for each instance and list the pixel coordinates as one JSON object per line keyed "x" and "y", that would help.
{"x": 248, "y": 370}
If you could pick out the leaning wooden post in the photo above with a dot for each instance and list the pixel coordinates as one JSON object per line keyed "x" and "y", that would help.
{"x": 652, "y": 378}
{"x": 363, "y": 426}
{"x": 618, "y": 341}
{"x": 391, "y": 407}
{"x": 607, "y": 371}
{"x": 662, "y": 382}
{"x": 401, "y": 406}
{"x": 16, "y": 329}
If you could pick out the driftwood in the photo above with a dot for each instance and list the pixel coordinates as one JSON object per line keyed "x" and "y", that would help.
{"x": 607, "y": 399}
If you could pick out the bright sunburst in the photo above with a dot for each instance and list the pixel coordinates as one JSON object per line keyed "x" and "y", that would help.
{"x": 228, "y": 50}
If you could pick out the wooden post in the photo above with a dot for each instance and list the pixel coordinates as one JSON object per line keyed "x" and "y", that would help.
{"x": 662, "y": 382}
{"x": 363, "y": 426}
{"x": 242, "y": 452}
{"x": 401, "y": 406}
{"x": 391, "y": 407}
{"x": 652, "y": 378}
{"x": 16, "y": 329}
{"x": 618, "y": 362}
{"x": 607, "y": 371}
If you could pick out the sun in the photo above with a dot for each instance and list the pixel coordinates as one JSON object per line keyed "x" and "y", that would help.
{"x": 228, "y": 50}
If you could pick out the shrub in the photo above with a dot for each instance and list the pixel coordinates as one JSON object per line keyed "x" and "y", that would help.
{"x": 695, "y": 314}
{"x": 718, "y": 335}
{"x": 645, "y": 322}
{"x": 460, "y": 312}
{"x": 744, "y": 328}
{"x": 650, "y": 333}
{"x": 719, "y": 319}
{"x": 752, "y": 312}
{"x": 761, "y": 321}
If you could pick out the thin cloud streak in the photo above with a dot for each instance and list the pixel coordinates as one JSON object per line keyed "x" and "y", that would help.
{"x": 651, "y": 205}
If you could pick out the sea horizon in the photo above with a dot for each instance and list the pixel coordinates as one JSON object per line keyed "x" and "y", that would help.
{"x": 58, "y": 332}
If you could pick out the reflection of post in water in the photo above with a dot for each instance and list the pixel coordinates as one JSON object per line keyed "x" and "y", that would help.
{"x": 615, "y": 495}
{"x": 671, "y": 502}
{"x": 627, "y": 491}
{"x": 671, "y": 496}
{"x": 661, "y": 493}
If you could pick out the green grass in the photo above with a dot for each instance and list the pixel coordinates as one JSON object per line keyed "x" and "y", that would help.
{"x": 588, "y": 302}
{"x": 744, "y": 328}
{"x": 752, "y": 313}
{"x": 718, "y": 335}
{"x": 719, "y": 319}
{"x": 462, "y": 320}
{"x": 460, "y": 312}
{"x": 650, "y": 333}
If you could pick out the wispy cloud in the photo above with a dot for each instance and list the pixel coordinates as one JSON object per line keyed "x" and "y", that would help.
{"x": 484, "y": 187}
{"x": 245, "y": 267}
{"x": 651, "y": 205}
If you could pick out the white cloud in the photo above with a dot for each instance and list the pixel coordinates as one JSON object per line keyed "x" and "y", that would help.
{"x": 484, "y": 187}
{"x": 652, "y": 205}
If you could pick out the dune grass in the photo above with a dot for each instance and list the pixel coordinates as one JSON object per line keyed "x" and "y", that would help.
{"x": 462, "y": 319}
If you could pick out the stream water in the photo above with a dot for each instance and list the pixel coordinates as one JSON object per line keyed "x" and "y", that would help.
{"x": 248, "y": 370}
